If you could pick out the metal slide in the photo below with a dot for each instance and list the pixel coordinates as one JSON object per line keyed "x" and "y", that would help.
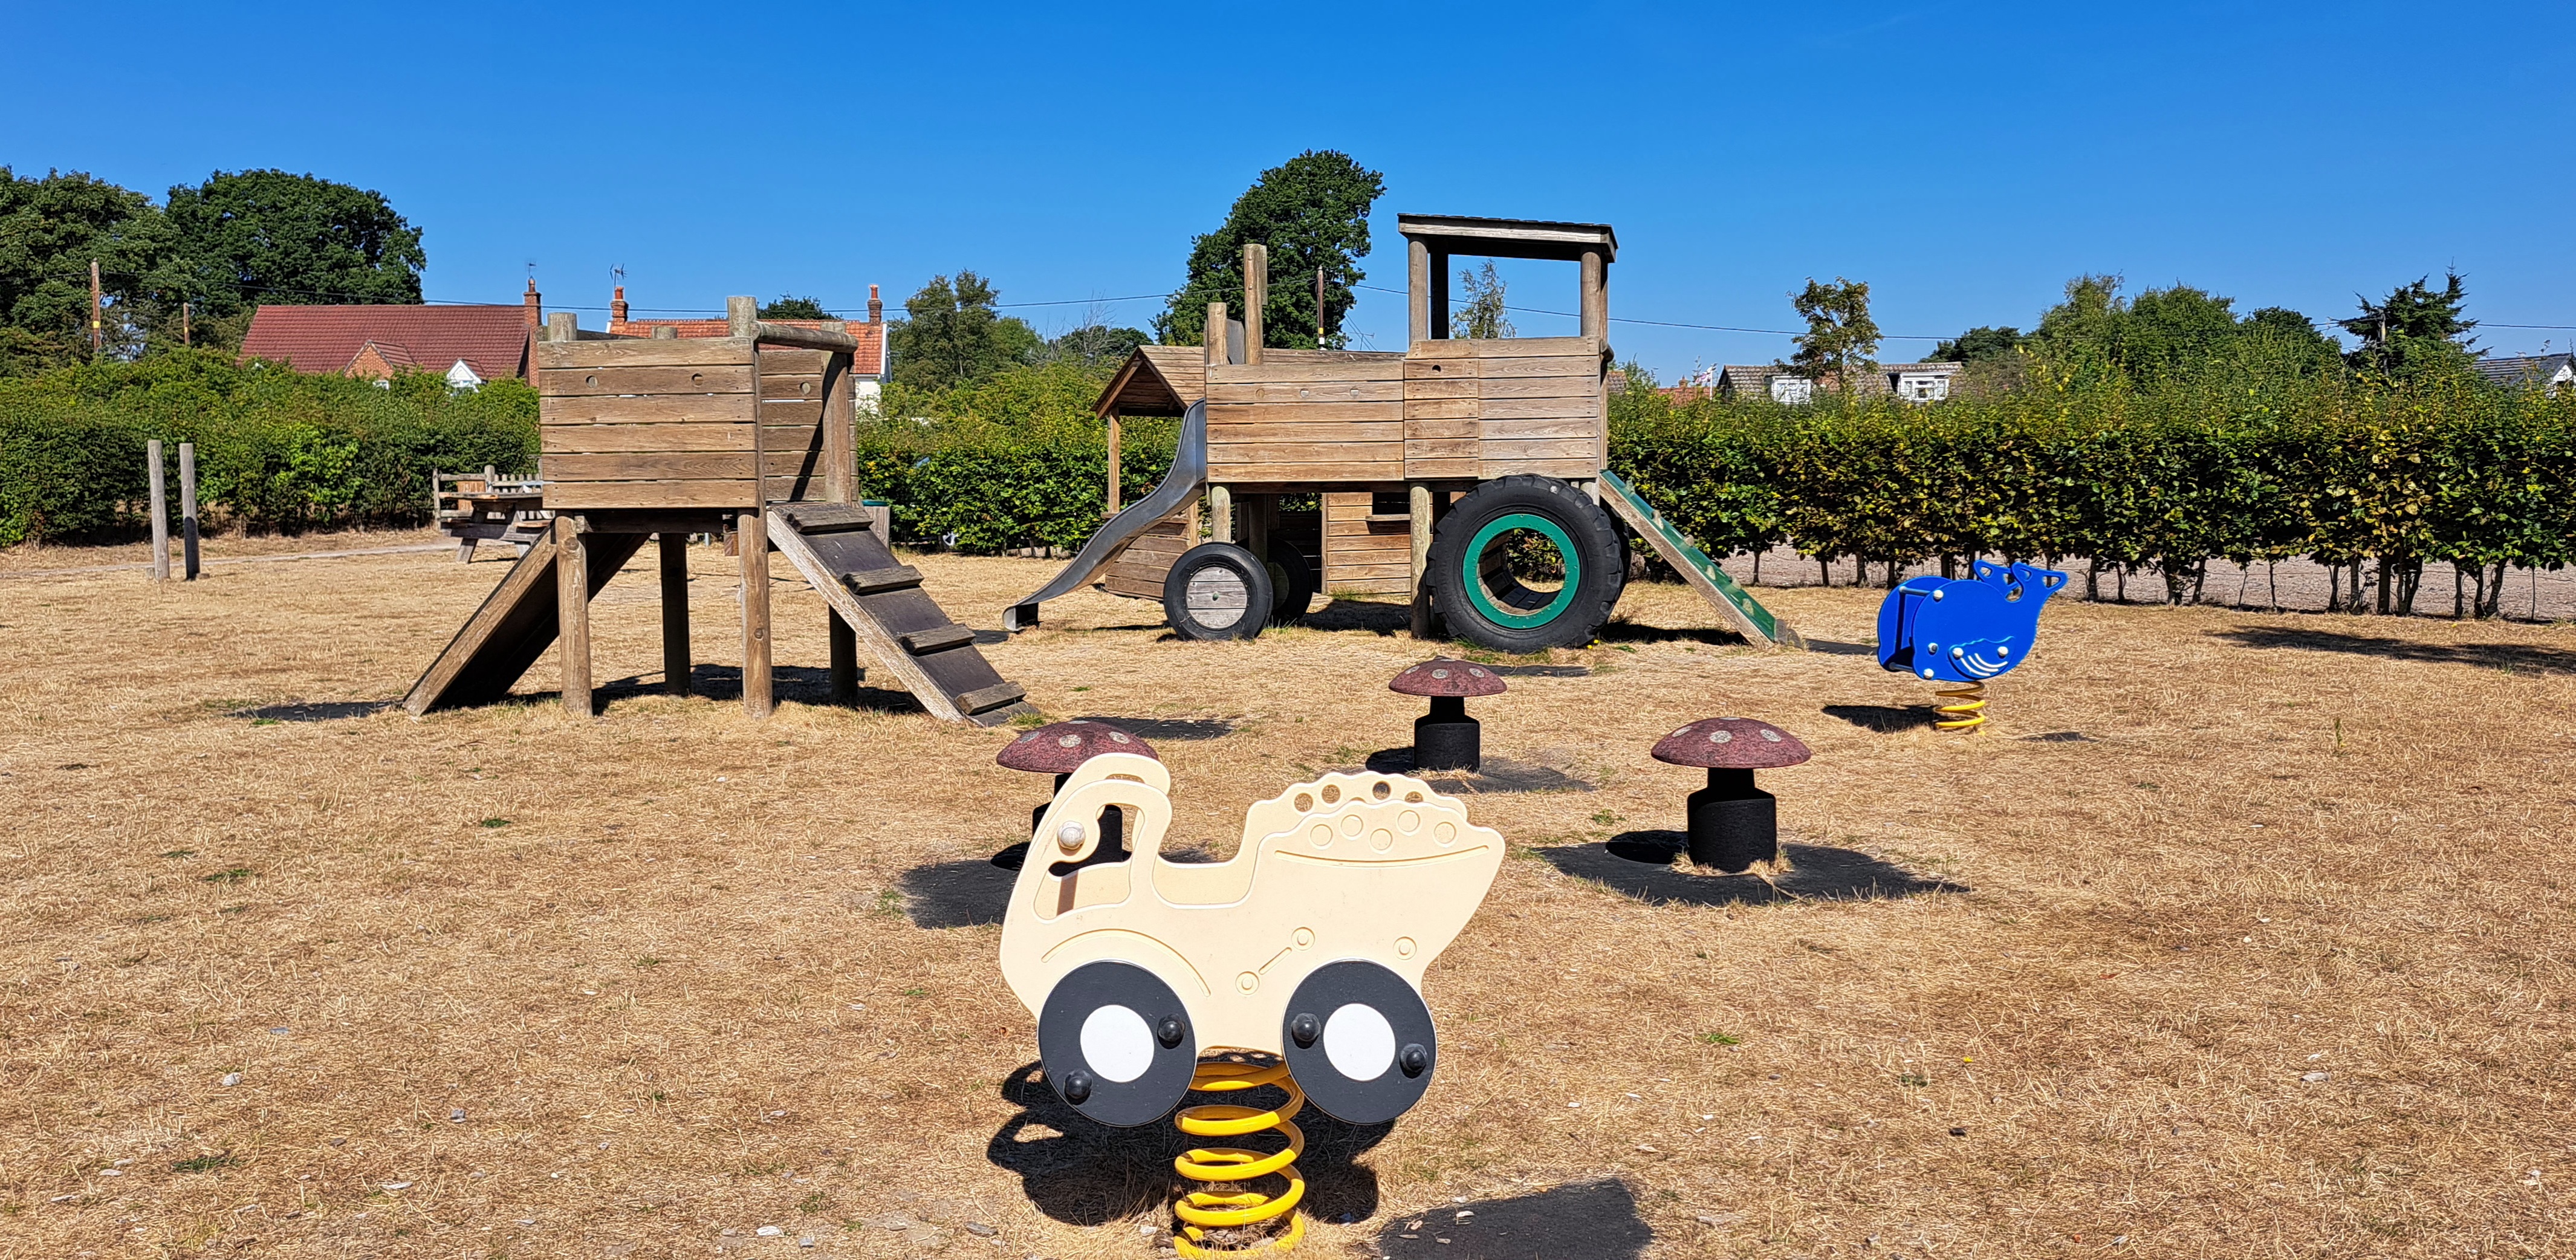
{"x": 1188, "y": 477}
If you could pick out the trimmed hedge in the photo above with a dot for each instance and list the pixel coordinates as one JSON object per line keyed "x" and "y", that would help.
{"x": 276, "y": 450}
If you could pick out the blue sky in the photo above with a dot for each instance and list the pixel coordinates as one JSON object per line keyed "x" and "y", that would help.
{"x": 1965, "y": 160}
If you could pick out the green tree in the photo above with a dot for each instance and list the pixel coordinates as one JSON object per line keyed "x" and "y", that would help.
{"x": 252, "y": 237}
{"x": 1312, "y": 211}
{"x": 955, "y": 337}
{"x": 2416, "y": 329}
{"x": 1978, "y": 345}
{"x": 2167, "y": 330}
{"x": 789, "y": 306}
{"x": 1096, "y": 345}
{"x": 51, "y": 229}
{"x": 1841, "y": 340}
{"x": 1482, "y": 316}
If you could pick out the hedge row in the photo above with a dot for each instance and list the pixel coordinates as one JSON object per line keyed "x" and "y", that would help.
{"x": 276, "y": 450}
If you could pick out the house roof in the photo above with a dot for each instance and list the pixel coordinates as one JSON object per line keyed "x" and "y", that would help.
{"x": 869, "y": 361}
{"x": 2529, "y": 369}
{"x": 493, "y": 340}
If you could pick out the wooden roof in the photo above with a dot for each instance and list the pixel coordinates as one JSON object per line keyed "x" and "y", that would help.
{"x": 1165, "y": 380}
{"x": 1509, "y": 238}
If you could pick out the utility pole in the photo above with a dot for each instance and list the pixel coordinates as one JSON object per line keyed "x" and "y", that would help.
{"x": 186, "y": 336}
{"x": 1319, "y": 308}
{"x": 97, "y": 330}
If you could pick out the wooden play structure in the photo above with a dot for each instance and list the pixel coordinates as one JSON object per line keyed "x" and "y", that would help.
{"x": 1466, "y": 475}
{"x": 663, "y": 437}
{"x": 1306, "y": 949}
{"x": 488, "y": 507}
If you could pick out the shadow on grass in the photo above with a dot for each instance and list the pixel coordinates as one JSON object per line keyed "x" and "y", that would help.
{"x": 1081, "y": 1172}
{"x": 1886, "y": 719}
{"x": 1360, "y": 614}
{"x": 1499, "y": 774}
{"x": 2512, "y": 656}
{"x": 800, "y": 684}
{"x": 1831, "y": 648}
{"x": 1152, "y": 729}
{"x": 1593, "y": 1219}
{"x": 1630, "y": 632}
{"x": 978, "y": 890}
{"x": 320, "y": 711}
{"x": 1639, "y": 864}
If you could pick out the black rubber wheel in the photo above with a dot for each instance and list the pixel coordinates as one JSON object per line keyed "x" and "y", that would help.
{"x": 1359, "y": 1041}
{"x": 1473, "y": 552}
{"x": 1292, "y": 582}
{"x": 1117, "y": 1044}
{"x": 1217, "y": 591}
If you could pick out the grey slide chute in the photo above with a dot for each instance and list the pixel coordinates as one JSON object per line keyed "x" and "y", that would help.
{"x": 1188, "y": 477}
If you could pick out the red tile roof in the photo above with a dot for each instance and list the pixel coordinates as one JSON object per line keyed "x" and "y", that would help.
{"x": 493, "y": 340}
{"x": 869, "y": 361}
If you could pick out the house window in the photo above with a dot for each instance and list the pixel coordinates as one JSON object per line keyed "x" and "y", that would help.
{"x": 1923, "y": 386}
{"x": 1792, "y": 389}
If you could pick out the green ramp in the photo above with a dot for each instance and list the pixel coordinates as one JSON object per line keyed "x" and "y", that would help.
{"x": 1693, "y": 564}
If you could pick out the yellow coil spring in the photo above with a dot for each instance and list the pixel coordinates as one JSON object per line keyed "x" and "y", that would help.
{"x": 1965, "y": 707}
{"x": 1204, "y": 1210}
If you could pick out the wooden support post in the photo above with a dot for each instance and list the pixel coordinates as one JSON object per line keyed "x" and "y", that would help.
{"x": 1216, "y": 333}
{"x": 1596, "y": 296}
{"x": 188, "y": 509}
{"x": 1439, "y": 294}
{"x": 1113, "y": 461}
{"x": 1220, "y": 514}
{"x": 160, "y": 512}
{"x": 1421, "y": 505}
{"x": 572, "y": 616}
{"x": 752, "y": 528}
{"x": 845, "y": 660}
{"x": 1259, "y": 512}
{"x": 1417, "y": 288}
{"x": 1256, "y": 298}
{"x": 675, "y": 612}
{"x": 740, "y": 314}
{"x": 563, "y": 326}
{"x": 840, "y": 432}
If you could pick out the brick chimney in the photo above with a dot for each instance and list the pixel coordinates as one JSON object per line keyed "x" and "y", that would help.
{"x": 876, "y": 308}
{"x": 536, "y": 306}
{"x": 617, "y": 307}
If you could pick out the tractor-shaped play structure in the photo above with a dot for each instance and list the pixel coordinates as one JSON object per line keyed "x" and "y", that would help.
{"x": 1464, "y": 474}
{"x": 1297, "y": 964}
{"x": 1964, "y": 631}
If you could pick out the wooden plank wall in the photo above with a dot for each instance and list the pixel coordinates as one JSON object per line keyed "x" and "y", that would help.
{"x": 1527, "y": 405}
{"x": 792, "y": 411}
{"x": 1304, "y": 423}
{"x": 1138, "y": 571}
{"x": 1364, "y": 556}
{"x": 646, "y": 423}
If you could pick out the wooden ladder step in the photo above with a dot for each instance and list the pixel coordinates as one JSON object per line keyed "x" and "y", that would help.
{"x": 993, "y": 697}
{"x": 925, "y": 642}
{"x": 899, "y": 577}
{"x": 814, "y": 519}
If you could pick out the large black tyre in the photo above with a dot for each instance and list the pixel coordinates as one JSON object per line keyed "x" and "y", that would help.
{"x": 1472, "y": 586}
{"x": 1116, "y": 1043}
{"x": 1292, "y": 582}
{"x": 1217, "y": 591}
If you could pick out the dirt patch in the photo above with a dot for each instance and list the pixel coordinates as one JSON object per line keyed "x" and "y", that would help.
{"x": 2270, "y": 961}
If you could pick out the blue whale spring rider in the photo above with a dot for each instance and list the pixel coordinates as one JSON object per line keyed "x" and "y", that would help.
{"x": 1963, "y": 631}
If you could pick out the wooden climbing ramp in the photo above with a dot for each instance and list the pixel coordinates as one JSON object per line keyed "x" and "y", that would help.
{"x": 881, "y": 598}
{"x": 516, "y": 624}
{"x": 1721, "y": 591}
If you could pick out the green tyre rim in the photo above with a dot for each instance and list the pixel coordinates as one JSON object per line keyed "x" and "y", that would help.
{"x": 1483, "y": 598}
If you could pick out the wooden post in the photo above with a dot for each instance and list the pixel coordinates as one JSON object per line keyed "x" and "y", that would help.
{"x": 563, "y": 326}
{"x": 675, "y": 612}
{"x": 1259, "y": 511}
{"x": 98, "y": 335}
{"x": 572, "y": 615}
{"x": 1421, "y": 505}
{"x": 1319, "y": 308}
{"x": 845, "y": 660}
{"x": 1220, "y": 514}
{"x": 1216, "y": 333}
{"x": 1417, "y": 288}
{"x": 840, "y": 433}
{"x": 740, "y": 314}
{"x": 1439, "y": 294}
{"x": 752, "y": 528}
{"x": 1113, "y": 461}
{"x": 188, "y": 509}
{"x": 1256, "y": 298}
{"x": 160, "y": 513}
{"x": 1596, "y": 296}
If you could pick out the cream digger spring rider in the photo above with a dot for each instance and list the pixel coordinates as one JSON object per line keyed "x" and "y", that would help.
{"x": 1297, "y": 964}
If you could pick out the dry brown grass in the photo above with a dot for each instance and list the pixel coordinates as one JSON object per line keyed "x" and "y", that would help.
{"x": 662, "y": 963}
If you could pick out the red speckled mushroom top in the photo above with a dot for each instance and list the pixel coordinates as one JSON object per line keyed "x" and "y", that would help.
{"x": 1729, "y": 743}
{"x": 1441, "y": 676}
{"x": 1064, "y": 746}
